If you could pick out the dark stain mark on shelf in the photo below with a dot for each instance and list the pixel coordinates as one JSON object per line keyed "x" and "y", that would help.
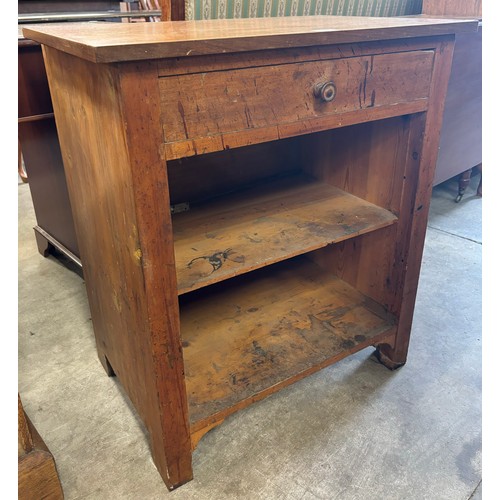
{"x": 217, "y": 259}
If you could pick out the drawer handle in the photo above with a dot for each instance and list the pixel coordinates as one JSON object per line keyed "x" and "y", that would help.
{"x": 325, "y": 91}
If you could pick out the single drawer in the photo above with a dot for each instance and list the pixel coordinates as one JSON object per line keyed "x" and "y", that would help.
{"x": 211, "y": 111}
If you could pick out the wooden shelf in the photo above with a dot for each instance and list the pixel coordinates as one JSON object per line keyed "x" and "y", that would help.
{"x": 251, "y": 336}
{"x": 262, "y": 225}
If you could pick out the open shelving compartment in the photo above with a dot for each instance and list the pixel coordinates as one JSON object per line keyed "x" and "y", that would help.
{"x": 283, "y": 259}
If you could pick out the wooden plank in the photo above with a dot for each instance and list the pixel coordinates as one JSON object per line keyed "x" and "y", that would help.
{"x": 203, "y": 145}
{"x": 248, "y": 338}
{"x": 266, "y": 224}
{"x": 114, "y": 42}
{"x": 109, "y": 144}
{"x": 228, "y": 61}
{"x": 220, "y": 102}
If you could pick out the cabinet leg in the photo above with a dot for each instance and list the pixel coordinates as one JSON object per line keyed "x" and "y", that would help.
{"x": 389, "y": 357}
{"x": 106, "y": 364}
{"x": 43, "y": 244}
{"x": 463, "y": 184}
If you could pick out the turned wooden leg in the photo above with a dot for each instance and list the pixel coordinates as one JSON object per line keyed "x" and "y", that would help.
{"x": 480, "y": 187}
{"x": 463, "y": 184}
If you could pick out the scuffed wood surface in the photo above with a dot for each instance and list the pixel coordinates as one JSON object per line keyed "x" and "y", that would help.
{"x": 247, "y": 338}
{"x": 114, "y": 42}
{"x": 200, "y": 110}
{"x": 119, "y": 186}
{"x": 263, "y": 225}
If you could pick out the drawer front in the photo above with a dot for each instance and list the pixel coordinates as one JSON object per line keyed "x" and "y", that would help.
{"x": 208, "y": 111}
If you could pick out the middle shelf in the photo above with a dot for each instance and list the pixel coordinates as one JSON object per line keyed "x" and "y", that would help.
{"x": 264, "y": 224}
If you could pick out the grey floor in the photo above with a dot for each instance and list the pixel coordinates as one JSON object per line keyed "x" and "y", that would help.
{"x": 352, "y": 431}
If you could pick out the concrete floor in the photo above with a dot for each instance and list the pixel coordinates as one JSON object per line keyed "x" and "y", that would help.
{"x": 354, "y": 430}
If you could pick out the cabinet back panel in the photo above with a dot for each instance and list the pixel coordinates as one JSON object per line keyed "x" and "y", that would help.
{"x": 369, "y": 161}
{"x": 198, "y": 178}
{"x": 365, "y": 160}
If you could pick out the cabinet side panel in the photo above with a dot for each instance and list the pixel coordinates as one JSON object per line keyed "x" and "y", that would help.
{"x": 418, "y": 166}
{"x": 119, "y": 195}
{"x": 425, "y": 155}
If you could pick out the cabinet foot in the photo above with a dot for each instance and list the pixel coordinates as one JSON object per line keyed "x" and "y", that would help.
{"x": 45, "y": 247}
{"x": 386, "y": 356}
{"x": 106, "y": 364}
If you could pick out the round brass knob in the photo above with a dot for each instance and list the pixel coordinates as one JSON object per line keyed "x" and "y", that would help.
{"x": 325, "y": 91}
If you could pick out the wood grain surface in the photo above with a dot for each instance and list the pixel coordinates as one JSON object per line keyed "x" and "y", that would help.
{"x": 113, "y": 42}
{"x": 187, "y": 361}
{"x": 37, "y": 474}
{"x": 249, "y": 337}
{"x": 424, "y": 147}
{"x": 120, "y": 221}
{"x": 224, "y": 103}
{"x": 368, "y": 161}
{"x": 260, "y": 226}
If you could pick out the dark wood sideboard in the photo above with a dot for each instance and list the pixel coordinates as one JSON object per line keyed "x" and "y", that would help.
{"x": 460, "y": 148}
{"x": 300, "y": 210}
{"x": 41, "y": 155}
{"x": 39, "y": 151}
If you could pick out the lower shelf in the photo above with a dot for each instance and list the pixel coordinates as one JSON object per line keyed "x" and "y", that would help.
{"x": 249, "y": 337}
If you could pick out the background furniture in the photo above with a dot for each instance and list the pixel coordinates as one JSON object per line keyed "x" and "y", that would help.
{"x": 37, "y": 473}
{"x": 39, "y": 152}
{"x": 307, "y": 203}
{"x": 460, "y": 147}
{"x": 41, "y": 155}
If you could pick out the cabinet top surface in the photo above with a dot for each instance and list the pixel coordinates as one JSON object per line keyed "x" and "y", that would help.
{"x": 115, "y": 42}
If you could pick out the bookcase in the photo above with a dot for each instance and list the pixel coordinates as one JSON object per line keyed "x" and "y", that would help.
{"x": 250, "y": 199}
